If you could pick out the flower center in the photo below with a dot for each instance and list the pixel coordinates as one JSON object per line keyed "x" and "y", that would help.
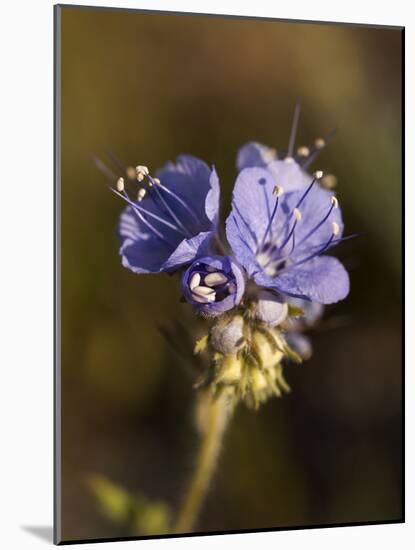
{"x": 277, "y": 252}
{"x": 208, "y": 284}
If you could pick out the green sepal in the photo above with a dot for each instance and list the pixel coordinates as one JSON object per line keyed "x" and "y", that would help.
{"x": 201, "y": 344}
{"x": 295, "y": 311}
{"x": 292, "y": 355}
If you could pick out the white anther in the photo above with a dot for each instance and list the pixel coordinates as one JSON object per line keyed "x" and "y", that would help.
{"x": 142, "y": 170}
{"x": 318, "y": 174}
{"x": 120, "y": 185}
{"x": 203, "y": 299}
{"x": 156, "y": 180}
{"x": 288, "y": 160}
{"x": 203, "y": 291}
{"x": 303, "y": 151}
{"x": 334, "y": 202}
{"x": 194, "y": 281}
{"x": 320, "y": 143}
{"x": 329, "y": 181}
{"x": 231, "y": 288}
{"x": 140, "y": 176}
{"x": 270, "y": 155}
{"x": 215, "y": 279}
{"x": 278, "y": 191}
{"x": 335, "y": 228}
{"x": 297, "y": 214}
{"x": 131, "y": 172}
{"x": 141, "y": 194}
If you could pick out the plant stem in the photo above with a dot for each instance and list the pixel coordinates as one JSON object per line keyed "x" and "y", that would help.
{"x": 214, "y": 413}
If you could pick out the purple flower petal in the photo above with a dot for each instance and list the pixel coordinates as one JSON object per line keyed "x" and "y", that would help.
{"x": 141, "y": 251}
{"x": 254, "y": 154}
{"x": 212, "y": 198}
{"x": 322, "y": 279}
{"x": 289, "y": 175}
{"x": 187, "y": 251}
{"x": 252, "y": 204}
{"x": 310, "y": 232}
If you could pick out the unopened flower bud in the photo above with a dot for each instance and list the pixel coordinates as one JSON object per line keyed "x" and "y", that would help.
{"x": 227, "y": 336}
{"x": 271, "y": 308}
{"x": 213, "y": 284}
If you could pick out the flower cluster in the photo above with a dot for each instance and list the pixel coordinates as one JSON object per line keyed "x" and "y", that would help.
{"x": 267, "y": 280}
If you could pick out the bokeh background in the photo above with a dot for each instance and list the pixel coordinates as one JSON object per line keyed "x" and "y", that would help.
{"x": 150, "y": 86}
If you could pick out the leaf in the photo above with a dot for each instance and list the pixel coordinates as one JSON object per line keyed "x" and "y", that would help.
{"x": 135, "y": 510}
{"x": 152, "y": 518}
{"x": 113, "y": 500}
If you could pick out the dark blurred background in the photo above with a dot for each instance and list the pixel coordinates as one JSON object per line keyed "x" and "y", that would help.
{"x": 151, "y": 86}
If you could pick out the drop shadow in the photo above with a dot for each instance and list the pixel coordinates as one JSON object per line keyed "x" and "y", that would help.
{"x": 44, "y": 532}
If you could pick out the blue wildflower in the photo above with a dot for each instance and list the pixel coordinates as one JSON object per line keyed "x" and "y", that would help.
{"x": 172, "y": 218}
{"x": 279, "y": 238}
{"x": 213, "y": 284}
{"x": 290, "y": 171}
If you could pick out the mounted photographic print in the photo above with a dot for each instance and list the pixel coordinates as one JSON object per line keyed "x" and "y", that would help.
{"x": 228, "y": 274}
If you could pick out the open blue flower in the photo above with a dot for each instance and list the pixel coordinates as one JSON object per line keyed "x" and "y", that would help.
{"x": 171, "y": 219}
{"x": 279, "y": 237}
{"x": 213, "y": 284}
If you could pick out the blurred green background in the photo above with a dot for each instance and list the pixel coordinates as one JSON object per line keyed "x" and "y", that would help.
{"x": 151, "y": 86}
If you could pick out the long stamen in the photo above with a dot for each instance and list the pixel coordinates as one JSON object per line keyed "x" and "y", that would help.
{"x": 319, "y": 248}
{"x": 292, "y": 247}
{"x": 334, "y": 204}
{"x": 169, "y": 210}
{"x": 335, "y": 232}
{"x": 120, "y": 191}
{"x": 336, "y": 241}
{"x": 317, "y": 175}
{"x": 319, "y": 145}
{"x": 156, "y": 183}
{"x": 143, "y": 172}
{"x": 104, "y": 169}
{"x": 297, "y": 215}
{"x": 140, "y": 211}
{"x": 117, "y": 161}
{"x": 294, "y": 129}
{"x": 277, "y": 191}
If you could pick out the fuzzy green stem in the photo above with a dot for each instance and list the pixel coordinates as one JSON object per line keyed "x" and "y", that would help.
{"x": 213, "y": 413}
